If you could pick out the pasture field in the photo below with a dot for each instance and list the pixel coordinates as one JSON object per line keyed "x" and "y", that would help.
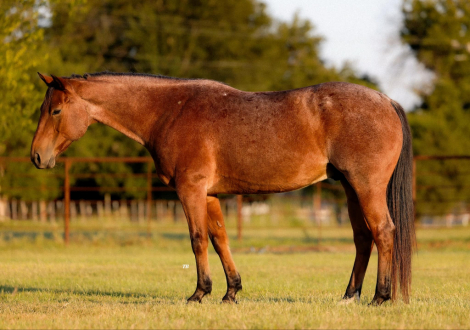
{"x": 289, "y": 280}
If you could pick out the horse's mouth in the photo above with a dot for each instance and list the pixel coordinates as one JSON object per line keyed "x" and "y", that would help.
{"x": 51, "y": 162}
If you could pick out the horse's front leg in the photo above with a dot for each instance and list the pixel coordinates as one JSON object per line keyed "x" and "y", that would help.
{"x": 192, "y": 194}
{"x": 218, "y": 236}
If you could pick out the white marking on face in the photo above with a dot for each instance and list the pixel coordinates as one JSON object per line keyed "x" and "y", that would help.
{"x": 179, "y": 102}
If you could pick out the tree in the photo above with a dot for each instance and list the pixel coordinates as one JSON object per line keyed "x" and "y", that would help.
{"x": 21, "y": 53}
{"x": 437, "y": 32}
{"x": 220, "y": 40}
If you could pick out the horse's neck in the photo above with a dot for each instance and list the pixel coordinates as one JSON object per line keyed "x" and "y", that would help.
{"x": 125, "y": 107}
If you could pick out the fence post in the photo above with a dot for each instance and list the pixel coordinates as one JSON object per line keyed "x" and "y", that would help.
{"x": 67, "y": 202}
{"x": 149, "y": 198}
{"x": 414, "y": 188}
{"x": 239, "y": 216}
{"x": 317, "y": 208}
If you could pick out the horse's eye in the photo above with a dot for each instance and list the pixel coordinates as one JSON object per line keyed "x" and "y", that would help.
{"x": 56, "y": 111}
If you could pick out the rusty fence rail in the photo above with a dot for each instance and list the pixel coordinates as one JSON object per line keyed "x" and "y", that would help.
{"x": 149, "y": 188}
{"x": 69, "y": 161}
{"x": 149, "y": 176}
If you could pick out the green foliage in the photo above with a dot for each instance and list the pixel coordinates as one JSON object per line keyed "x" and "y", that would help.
{"x": 20, "y": 55}
{"x": 437, "y": 32}
{"x": 231, "y": 41}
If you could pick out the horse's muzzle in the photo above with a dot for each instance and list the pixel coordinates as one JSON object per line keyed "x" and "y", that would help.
{"x": 42, "y": 163}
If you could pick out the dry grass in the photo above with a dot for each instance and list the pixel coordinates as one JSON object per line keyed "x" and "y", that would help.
{"x": 114, "y": 285}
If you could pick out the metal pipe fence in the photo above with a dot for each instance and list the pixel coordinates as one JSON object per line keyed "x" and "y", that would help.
{"x": 136, "y": 210}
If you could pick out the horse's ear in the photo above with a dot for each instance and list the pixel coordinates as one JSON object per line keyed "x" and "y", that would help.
{"x": 46, "y": 79}
{"x": 53, "y": 81}
{"x": 58, "y": 83}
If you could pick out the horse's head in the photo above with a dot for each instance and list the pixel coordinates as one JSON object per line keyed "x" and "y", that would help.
{"x": 64, "y": 119}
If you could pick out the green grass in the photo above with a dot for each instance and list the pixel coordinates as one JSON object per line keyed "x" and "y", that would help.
{"x": 110, "y": 282}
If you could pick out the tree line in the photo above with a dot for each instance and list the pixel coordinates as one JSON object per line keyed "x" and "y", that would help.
{"x": 233, "y": 41}
{"x": 437, "y": 33}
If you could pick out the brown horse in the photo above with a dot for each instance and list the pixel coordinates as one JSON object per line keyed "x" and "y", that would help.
{"x": 208, "y": 138}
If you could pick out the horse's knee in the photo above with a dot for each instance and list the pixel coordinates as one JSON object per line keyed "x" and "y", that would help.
{"x": 385, "y": 234}
{"x": 218, "y": 238}
{"x": 387, "y": 226}
{"x": 198, "y": 243}
{"x": 380, "y": 224}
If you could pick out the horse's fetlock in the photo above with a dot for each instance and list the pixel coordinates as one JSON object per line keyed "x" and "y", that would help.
{"x": 384, "y": 293}
{"x": 206, "y": 285}
{"x": 236, "y": 282}
{"x": 379, "y": 300}
{"x": 353, "y": 292}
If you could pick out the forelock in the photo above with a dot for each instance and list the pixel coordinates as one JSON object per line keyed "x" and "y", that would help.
{"x": 48, "y": 99}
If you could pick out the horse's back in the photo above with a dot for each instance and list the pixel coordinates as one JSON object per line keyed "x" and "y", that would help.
{"x": 280, "y": 141}
{"x": 268, "y": 142}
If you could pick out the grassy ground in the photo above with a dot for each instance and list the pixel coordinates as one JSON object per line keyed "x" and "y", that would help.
{"x": 118, "y": 282}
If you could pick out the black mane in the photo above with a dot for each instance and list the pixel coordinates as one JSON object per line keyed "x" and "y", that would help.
{"x": 131, "y": 74}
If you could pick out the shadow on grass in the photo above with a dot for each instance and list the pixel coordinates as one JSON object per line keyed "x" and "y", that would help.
{"x": 92, "y": 293}
{"x": 291, "y": 300}
{"x": 89, "y": 295}
{"x": 176, "y": 236}
{"x": 275, "y": 300}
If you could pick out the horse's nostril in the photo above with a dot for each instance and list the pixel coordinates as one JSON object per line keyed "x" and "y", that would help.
{"x": 38, "y": 159}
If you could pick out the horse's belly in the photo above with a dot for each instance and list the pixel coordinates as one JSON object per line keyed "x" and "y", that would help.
{"x": 268, "y": 178}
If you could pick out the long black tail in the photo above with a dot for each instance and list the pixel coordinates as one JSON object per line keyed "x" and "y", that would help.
{"x": 400, "y": 205}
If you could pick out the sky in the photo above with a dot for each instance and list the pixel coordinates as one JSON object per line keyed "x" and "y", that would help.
{"x": 366, "y": 34}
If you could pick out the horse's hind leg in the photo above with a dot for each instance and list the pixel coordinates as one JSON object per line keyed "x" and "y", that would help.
{"x": 373, "y": 201}
{"x": 218, "y": 236}
{"x": 363, "y": 241}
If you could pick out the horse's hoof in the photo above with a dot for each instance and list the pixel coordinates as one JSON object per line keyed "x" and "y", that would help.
{"x": 194, "y": 300}
{"x": 377, "y": 301}
{"x": 348, "y": 300}
{"x": 229, "y": 301}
